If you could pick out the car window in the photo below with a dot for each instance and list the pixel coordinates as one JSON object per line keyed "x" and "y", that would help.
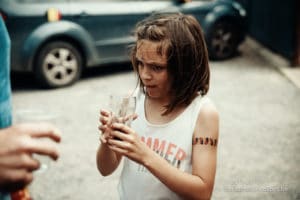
{"x": 47, "y": 1}
{"x": 110, "y": 0}
{"x": 41, "y": 1}
{"x": 102, "y": 0}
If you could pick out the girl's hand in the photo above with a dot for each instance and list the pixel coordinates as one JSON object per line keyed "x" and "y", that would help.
{"x": 105, "y": 127}
{"x": 106, "y": 119}
{"x": 128, "y": 143}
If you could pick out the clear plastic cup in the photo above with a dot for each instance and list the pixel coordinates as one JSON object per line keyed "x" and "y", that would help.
{"x": 37, "y": 116}
{"x": 122, "y": 108}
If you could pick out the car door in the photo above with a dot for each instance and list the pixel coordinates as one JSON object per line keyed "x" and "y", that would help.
{"x": 110, "y": 23}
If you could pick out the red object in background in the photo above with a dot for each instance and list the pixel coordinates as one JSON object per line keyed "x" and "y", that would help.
{"x": 22, "y": 194}
{"x": 3, "y": 16}
{"x": 53, "y": 15}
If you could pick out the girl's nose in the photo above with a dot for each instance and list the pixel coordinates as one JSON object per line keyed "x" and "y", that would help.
{"x": 145, "y": 73}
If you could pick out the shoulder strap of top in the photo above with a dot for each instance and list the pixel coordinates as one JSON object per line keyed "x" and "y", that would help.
{"x": 137, "y": 92}
{"x": 199, "y": 102}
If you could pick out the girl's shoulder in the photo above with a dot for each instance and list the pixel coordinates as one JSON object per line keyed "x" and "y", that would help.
{"x": 208, "y": 115}
{"x": 205, "y": 108}
{"x": 208, "y": 109}
{"x": 201, "y": 102}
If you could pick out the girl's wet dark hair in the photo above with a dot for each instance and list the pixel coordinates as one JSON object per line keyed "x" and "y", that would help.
{"x": 183, "y": 43}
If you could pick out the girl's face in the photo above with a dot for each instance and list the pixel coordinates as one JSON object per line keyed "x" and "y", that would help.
{"x": 152, "y": 68}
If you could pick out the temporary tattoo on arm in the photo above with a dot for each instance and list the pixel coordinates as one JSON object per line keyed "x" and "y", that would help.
{"x": 205, "y": 141}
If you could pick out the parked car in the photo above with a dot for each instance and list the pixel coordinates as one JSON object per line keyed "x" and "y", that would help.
{"x": 57, "y": 39}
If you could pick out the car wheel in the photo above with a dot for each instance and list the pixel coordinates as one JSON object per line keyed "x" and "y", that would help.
{"x": 223, "y": 40}
{"x": 58, "y": 64}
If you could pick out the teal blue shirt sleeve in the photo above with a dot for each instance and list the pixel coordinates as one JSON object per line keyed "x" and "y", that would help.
{"x": 5, "y": 88}
{"x": 4, "y": 196}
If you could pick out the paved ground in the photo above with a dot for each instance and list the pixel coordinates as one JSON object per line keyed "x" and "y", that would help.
{"x": 258, "y": 155}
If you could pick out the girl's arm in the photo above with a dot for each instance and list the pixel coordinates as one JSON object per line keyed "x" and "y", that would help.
{"x": 107, "y": 160}
{"x": 199, "y": 184}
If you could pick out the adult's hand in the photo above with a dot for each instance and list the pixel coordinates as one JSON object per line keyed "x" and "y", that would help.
{"x": 17, "y": 145}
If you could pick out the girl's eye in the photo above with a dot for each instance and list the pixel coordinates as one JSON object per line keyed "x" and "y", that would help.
{"x": 157, "y": 68}
{"x": 139, "y": 63}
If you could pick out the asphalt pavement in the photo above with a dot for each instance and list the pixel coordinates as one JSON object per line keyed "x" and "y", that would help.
{"x": 258, "y": 152}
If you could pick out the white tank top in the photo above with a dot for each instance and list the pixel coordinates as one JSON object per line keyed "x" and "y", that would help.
{"x": 172, "y": 141}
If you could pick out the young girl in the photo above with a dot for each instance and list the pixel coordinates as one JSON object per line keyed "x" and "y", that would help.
{"x": 170, "y": 150}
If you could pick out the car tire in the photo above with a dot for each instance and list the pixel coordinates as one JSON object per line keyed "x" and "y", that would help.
{"x": 223, "y": 40}
{"x": 58, "y": 64}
